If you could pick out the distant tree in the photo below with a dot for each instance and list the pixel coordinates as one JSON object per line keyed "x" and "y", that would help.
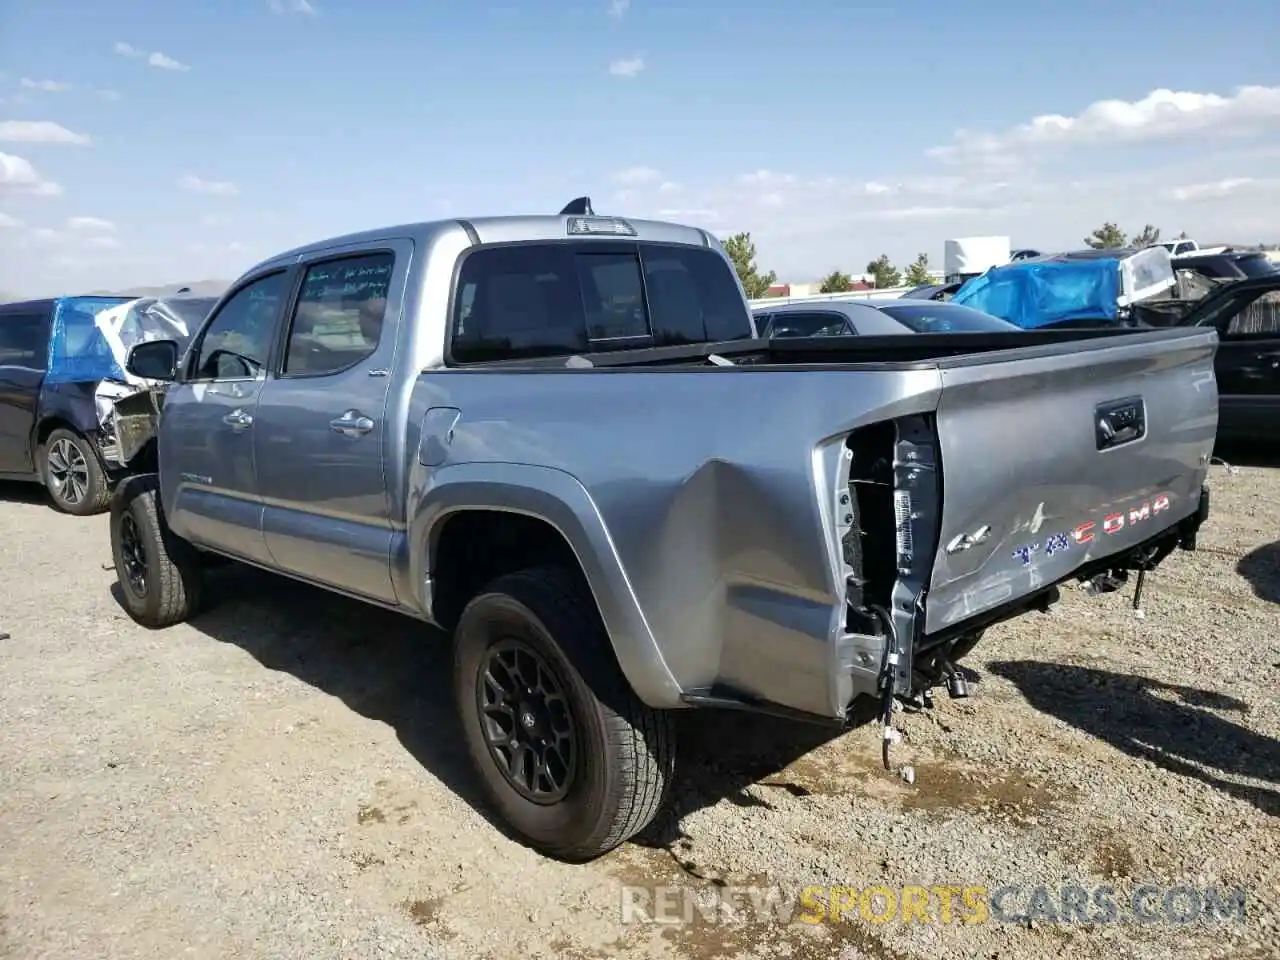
{"x": 1149, "y": 237}
{"x": 918, "y": 272}
{"x": 884, "y": 272}
{"x": 742, "y": 252}
{"x": 1107, "y": 237}
{"x": 836, "y": 282}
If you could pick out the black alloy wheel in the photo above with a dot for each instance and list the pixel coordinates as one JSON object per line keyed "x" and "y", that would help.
{"x": 134, "y": 556}
{"x": 527, "y": 721}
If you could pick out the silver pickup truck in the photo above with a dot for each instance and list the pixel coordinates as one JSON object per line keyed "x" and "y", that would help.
{"x": 559, "y": 439}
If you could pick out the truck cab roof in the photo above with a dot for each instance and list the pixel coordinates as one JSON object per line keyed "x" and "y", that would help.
{"x": 517, "y": 229}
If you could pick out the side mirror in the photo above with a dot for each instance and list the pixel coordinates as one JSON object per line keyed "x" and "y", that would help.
{"x": 153, "y": 359}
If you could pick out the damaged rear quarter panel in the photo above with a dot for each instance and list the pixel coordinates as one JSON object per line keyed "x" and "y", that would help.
{"x": 716, "y": 488}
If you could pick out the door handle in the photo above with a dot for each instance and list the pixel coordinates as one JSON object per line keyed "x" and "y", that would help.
{"x": 238, "y": 419}
{"x": 353, "y": 423}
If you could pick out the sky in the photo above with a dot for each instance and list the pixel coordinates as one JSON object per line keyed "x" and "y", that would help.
{"x": 148, "y": 142}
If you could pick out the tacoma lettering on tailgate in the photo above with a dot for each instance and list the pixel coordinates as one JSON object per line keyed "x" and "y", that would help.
{"x": 1109, "y": 524}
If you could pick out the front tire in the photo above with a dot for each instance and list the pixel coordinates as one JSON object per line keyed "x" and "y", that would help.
{"x": 159, "y": 573}
{"x": 566, "y": 753}
{"x": 73, "y": 474}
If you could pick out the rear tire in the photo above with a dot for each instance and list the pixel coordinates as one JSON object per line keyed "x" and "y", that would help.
{"x": 73, "y": 474}
{"x": 601, "y": 760}
{"x": 159, "y": 573}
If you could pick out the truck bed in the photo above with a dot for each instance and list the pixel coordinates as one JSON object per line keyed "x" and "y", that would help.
{"x": 830, "y": 352}
{"x": 943, "y": 478}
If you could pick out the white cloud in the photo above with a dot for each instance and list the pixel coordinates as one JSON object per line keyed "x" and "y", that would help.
{"x": 9, "y": 223}
{"x": 106, "y": 242}
{"x": 161, "y": 61}
{"x": 19, "y": 176}
{"x": 1218, "y": 189}
{"x": 45, "y": 86}
{"x": 626, "y": 67}
{"x": 38, "y": 131}
{"x": 90, "y": 225}
{"x": 165, "y": 62}
{"x": 1162, "y": 114}
{"x": 618, "y": 8}
{"x": 923, "y": 213}
{"x": 762, "y": 178}
{"x": 304, "y": 7}
{"x": 215, "y": 188}
{"x": 636, "y": 176}
{"x": 801, "y": 223}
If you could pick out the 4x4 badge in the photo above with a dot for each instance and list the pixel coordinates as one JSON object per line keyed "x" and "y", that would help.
{"x": 966, "y": 540}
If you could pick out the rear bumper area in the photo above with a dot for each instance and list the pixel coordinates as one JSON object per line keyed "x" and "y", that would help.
{"x": 928, "y": 660}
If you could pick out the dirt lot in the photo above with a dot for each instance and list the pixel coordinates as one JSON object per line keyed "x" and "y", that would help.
{"x": 283, "y": 778}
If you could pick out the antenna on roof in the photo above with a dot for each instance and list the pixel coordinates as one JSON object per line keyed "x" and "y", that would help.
{"x": 578, "y": 207}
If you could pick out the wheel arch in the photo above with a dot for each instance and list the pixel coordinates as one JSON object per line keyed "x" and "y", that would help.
{"x": 548, "y": 515}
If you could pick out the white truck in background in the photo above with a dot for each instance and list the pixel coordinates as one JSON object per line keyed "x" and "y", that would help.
{"x": 1186, "y": 247}
{"x": 968, "y": 257}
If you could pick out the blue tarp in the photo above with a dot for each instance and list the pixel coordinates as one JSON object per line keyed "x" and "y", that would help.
{"x": 1033, "y": 294}
{"x": 78, "y": 352}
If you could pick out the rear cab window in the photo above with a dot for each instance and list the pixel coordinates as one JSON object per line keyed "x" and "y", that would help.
{"x": 546, "y": 299}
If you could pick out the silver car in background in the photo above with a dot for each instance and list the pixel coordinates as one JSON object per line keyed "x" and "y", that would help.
{"x": 873, "y": 318}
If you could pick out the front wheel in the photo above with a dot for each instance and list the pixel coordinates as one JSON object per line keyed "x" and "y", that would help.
{"x": 73, "y": 474}
{"x": 159, "y": 573}
{"x": 571, "y": 759}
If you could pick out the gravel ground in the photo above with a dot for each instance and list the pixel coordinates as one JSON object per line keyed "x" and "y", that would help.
{"x": 282, "y": 778}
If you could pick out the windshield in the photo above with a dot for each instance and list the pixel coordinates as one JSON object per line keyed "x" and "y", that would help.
{"x": 1258, "y": 265}
{"x": 924, "y": 316}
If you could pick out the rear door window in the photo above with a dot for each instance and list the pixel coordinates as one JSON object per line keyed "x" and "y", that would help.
{"x": 557, "y": 299}
{"x": 24, "y": 340}
{"x": 338, "y": 317}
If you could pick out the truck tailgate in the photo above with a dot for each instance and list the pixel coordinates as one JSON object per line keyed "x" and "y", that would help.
{"x": 1053, "y": 456}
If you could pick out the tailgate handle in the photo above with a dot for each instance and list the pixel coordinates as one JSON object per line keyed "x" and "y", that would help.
{"x": 1118, "y": 422}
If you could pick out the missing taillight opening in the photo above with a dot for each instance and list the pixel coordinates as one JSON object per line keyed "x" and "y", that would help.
{"x": 871, "y": 544}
